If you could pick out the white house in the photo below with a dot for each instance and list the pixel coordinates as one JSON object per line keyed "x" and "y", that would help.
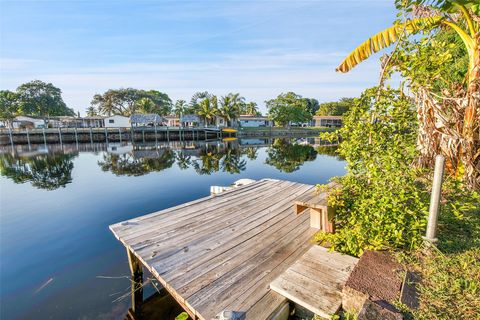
{"x": 254, "y": 121}
{"x": 27, "y": 122}
{"x": 172, "y": 121}
{"x": 117, "y": 121}
{"x": 190, "y": 120}
{"x": 328, "y": 121}
{"x": 220, "y": 121}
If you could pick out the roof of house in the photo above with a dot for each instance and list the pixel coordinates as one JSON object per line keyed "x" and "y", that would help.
{"x": 116, "y": 115}
{"x": 190, "y": 118}
{"x": 146, "y": 118}
{"x": 26, "y": 118}
{"x": 172, "y": 117}
{"x": 93, "y": 118}
{"x": 328, "y": 117}
{"x": 252, "y": 117}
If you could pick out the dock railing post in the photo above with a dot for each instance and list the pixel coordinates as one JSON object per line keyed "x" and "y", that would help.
{"x": 431, "y": 234}
{"x": 137, "y": 282}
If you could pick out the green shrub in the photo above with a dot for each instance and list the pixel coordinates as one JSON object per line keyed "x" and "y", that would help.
{"x": 380, "y": 202}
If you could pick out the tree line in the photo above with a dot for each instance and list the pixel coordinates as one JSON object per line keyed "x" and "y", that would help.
{"x": 39, "y": 99}
{"x": 35, "y": 98}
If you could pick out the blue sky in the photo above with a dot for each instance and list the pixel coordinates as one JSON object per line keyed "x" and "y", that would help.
{"x": 257, "y": 48}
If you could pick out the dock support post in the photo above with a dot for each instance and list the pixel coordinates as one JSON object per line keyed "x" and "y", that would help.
{"x": 120, "y": 134}
{"x": 431, "y": 234}
{"x": 156, "y": 139}
{"x": 168, "y": 135}
{"x": 137, "y": 282}
{"x": 106, "y": 135}
{"x": 76, "y": 136}
{"x": 143, "y": 135}
{"x": 44, "y": 138}
{"x": 91, "y": 135}
{"x": 10, "y": 135}
{"x": 28, "y": 139}
{"x": 60, "y": 135}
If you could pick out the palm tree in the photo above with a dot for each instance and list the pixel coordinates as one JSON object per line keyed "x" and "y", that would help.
{"x": 251, "y": 108}
{"x": 238, "y": 102}
{"x": 105, "y": 103}
{"x": 197, "y": 98}
{"x": 227, "y": 109}
{"x": 464, "y": 19}
{"x": 91, "y": 112}
{"x": 208, "y": 109}
{"x": 145, "y": 105}
{"x": 180, "y": 108}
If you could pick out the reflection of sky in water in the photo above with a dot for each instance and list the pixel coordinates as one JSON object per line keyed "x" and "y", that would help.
{"x": 55, "y": 242}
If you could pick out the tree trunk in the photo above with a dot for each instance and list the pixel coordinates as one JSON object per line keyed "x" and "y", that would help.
{"x": 471, "y": 127}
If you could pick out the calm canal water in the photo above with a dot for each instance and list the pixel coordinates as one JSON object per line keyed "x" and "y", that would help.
{"x": 58, "y": 259}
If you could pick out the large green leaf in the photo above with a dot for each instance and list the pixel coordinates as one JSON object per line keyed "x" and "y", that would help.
{"x": 385, "y": 38}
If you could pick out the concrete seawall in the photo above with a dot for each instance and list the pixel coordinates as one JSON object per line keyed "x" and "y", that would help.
{"x": 280, "y": 132}
{"x": 79, "y": 135}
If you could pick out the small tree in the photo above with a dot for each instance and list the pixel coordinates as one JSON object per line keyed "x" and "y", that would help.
{"x": 288, "y": 107}
{"x": 37, "y": 98}
{"x": 336, "y": 108}
{"x": 8, "y": 106}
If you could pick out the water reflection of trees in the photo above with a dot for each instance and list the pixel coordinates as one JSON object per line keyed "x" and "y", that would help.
{"x": 204, "y": 159}
{"x": 225, "y": 157}
{"x": 289, "y": 156}
{"x": 46, "y": 171}
{"x": 138, "y": 162}
{"x": 251, "y": 152}
{"x": 52, "y": 168}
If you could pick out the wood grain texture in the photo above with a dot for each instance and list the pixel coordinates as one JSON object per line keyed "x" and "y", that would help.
{"x": 315, "y": 281}
{"x": 221, "y": 252}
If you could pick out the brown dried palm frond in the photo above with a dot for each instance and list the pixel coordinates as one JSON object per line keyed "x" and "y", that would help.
{"x": 441, "y": 132}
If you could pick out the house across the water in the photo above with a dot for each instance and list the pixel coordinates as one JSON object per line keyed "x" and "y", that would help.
{"x": 22, "y": 122}
{"x": 116, "y": 121}
{"x": 146, "y": 120}
{"x": 254, "y": 121}
{"x": 93, "y": 122}
{"x": 328, "y": 121}
{"x": 172, "y": 121}
{"x": 190, "y": 120}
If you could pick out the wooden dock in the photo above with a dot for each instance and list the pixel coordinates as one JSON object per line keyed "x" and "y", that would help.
{"x": 315, "y": 281}
{"x": 222, "y": 252}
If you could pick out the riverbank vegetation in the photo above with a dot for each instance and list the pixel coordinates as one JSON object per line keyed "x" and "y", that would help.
{"x": 390, "y": 139}
{"x": 44, "y": 100}
{"x": 335, "y": 108}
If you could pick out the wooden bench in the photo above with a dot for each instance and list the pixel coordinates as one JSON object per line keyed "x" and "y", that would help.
{"x": 316, "y": 203}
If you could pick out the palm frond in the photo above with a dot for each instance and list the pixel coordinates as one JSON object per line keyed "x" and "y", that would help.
{"x": 384, "y": 39}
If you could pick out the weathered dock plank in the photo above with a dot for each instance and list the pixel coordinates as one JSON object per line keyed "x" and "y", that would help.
{"x": 315, "y": 281}
{"x": 221, "y": 252}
